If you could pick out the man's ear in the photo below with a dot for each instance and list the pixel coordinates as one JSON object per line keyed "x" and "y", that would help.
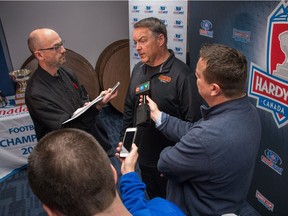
{"x": 51, "y": 212}
{"x": 38, "y": 55}
{"x": 161, "y": 39}
{"x": 114, "y": 173}
{"x": 216, "y": 90}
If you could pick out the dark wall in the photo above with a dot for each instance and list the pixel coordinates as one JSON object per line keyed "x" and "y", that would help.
{"x": 6, "y": 84}
{"x": 245, "y": 26}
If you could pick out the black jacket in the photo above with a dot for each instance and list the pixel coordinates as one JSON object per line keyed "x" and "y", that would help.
{"x": 52, "y": 100}
{"x": 173, "y": 88}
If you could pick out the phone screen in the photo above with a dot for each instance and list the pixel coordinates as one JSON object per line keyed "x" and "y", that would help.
{"x": 129, "y": 138}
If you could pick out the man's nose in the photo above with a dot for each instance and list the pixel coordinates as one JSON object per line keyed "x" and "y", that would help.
{"x": 138, "y": 47}
{"x": 62, "y": 49}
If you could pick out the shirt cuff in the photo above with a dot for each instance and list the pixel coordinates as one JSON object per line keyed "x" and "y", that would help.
{"x": 158, "y": 121}
{"x": 161, "y": 121}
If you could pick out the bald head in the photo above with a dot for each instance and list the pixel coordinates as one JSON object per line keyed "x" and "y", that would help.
{"x": 41, "y": 38}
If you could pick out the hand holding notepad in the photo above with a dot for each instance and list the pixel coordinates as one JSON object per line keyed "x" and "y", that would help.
{"x": 81, "y": 110}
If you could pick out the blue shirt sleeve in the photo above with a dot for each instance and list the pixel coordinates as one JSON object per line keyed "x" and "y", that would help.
{"x": 133, "y": 197}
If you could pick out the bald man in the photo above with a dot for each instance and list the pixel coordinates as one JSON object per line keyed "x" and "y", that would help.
{"x": 54, "y": 93}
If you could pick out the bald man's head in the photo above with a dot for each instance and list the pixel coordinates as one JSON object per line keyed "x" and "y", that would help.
{"x": 40, "y": 38}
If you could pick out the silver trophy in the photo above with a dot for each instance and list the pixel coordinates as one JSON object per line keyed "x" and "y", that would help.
{"x": 282, "y": 68}
{"x": 20, "y": 76}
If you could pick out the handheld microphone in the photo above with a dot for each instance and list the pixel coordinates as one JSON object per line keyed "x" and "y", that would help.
{"x": 143, "y": 89}
{"x": 143, "y": 110}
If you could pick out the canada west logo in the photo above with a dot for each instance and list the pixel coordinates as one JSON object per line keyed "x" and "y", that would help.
{"x": 270, "y": 87}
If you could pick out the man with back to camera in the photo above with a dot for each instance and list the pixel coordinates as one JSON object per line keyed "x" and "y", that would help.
{"x": 211, "y": 166}
{"x": 53, "y": 92}
{"x": 71, "y": 175}
{"x": 172, "y": 86}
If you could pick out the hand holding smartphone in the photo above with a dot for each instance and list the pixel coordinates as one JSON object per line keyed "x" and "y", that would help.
{"x": 129, "y": 138}
{"x": 113, "y": 89}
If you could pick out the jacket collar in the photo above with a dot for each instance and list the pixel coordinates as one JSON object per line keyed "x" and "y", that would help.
{"x": 165, "y": 67}
{"x": 228, "y": 105}
{"x": 47, "y": 76}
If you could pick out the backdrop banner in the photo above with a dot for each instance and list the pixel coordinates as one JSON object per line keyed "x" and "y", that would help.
{"x": 17, "y": 139}
{"x": 172, "y": 13}
{"x": 259, "y": 29}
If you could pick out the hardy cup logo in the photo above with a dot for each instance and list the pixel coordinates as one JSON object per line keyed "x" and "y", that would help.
{"x": 270, "y": 86}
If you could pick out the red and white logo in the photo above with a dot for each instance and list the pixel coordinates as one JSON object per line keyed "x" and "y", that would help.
{"x": 270, "y": 86}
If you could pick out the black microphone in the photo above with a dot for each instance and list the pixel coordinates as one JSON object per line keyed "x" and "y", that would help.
{"x": 143, "y": 110}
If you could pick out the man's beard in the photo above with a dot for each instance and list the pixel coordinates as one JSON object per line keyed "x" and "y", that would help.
{"x": 62, "y": 60}
{"x": 57, "y": 64}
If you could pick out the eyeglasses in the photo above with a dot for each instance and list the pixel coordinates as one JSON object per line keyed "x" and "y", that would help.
{"x": 56, "y": 47}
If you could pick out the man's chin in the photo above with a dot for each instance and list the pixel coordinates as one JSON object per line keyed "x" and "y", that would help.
{"x": 62, "y": 60}
{"x": 144, "y": 60}
{"x": 60, "y": 63}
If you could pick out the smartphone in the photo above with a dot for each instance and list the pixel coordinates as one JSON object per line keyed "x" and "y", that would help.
{"x": 115, "y": 87}
{"x": 129, "y": 138}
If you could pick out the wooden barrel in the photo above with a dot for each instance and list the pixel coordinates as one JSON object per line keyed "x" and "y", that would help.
{"x": 80, "y": 66}
{"x": 113, "y": 65}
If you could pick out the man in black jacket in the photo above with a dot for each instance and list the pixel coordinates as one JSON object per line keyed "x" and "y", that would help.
{"x": 54, "y": 93}
{"x": 172, "y": 86}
